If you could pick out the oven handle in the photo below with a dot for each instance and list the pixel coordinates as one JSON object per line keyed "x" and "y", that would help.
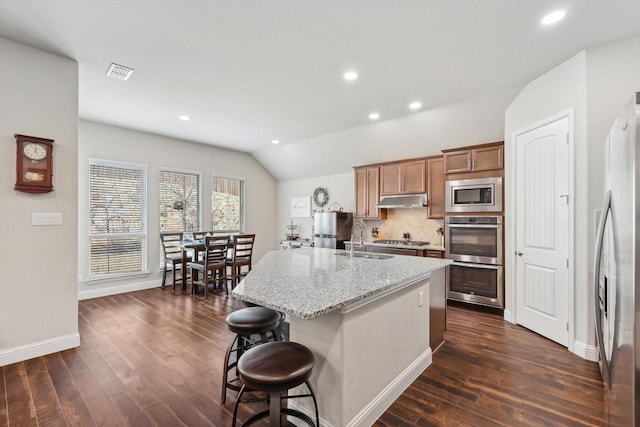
{"x": 485, "y": 266}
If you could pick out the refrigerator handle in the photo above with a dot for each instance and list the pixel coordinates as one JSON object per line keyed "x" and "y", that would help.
{"x": 606, "y": 208}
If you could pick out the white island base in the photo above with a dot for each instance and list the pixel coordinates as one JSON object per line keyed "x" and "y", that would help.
{"x": 367, "y": 353}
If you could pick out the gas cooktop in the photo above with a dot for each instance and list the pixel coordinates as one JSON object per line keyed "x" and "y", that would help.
{"x": 401, "y": 242}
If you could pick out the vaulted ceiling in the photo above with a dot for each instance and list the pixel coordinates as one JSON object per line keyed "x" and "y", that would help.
{"x": 249, "y": 72}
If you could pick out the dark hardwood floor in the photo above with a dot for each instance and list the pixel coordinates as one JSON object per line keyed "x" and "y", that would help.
{"x": 154, "y": 358}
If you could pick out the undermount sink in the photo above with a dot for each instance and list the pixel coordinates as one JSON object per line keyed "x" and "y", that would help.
{"x": 365, "y": 255}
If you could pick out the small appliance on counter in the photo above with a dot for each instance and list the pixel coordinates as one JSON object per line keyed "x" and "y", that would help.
{"x": 332, "y": 229}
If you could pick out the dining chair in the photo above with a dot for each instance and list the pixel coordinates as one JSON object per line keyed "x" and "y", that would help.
{"x": 240, "y": 261}
{"x": 172, "y": 255}
{"x": 200, "y": 235}
{"x": 213, "y": 270}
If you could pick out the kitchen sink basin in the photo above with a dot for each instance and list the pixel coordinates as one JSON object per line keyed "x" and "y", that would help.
{"x": 365, "y": 255}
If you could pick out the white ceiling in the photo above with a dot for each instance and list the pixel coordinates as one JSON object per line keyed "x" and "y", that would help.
{"x": 247, "y": 72}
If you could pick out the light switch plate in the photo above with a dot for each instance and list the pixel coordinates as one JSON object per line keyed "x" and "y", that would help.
{"x": 46, "y": 218}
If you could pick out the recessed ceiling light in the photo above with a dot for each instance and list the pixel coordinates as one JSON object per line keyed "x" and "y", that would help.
{"x": 350, "y": 75}
{"x": 374, "y": 116}
{"x": 275, "y": 141}
{"x": 553, "y": 17}
{"x": 415, "y": 105}
{"x": 184, "y": 118}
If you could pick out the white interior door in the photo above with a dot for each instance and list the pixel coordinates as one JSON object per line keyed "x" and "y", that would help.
{"x": 542, "y": 230}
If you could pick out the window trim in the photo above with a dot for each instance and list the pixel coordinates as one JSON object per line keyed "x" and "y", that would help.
{"x": 144, "y": 233}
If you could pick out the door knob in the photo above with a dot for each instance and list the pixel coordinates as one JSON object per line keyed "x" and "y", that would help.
{"x": 518, "y": 253}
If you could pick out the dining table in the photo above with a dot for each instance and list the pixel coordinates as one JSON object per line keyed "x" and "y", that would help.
{"x": 196, "y": 246}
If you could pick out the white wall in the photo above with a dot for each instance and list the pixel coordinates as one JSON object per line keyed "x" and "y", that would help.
{"x": 107, "y": 142}
{"x": 596, "y": 83}
{"x": 340, "y": 188}
{"x": 38, "y": 297}
{"x": 421, "y": 134}
{"x": 562, "y": 88}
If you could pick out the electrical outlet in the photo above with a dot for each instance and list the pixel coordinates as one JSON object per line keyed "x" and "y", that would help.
{"x": 420, "y": 299}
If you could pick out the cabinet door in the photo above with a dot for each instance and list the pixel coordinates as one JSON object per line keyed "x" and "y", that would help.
{"x": 403, "y": 178}
{"x": 457, "y": 161}
{"x": 390, "y": 179}
{"x": 373, "y": 194}
{"x": 412, "y": 177}
{"x": 435, "y": 189}
{"x": 361, "y": 193}
{"x": 487, "y": 158}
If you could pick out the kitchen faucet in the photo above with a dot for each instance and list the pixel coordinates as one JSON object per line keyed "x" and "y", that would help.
{"x": 352, "y": 234}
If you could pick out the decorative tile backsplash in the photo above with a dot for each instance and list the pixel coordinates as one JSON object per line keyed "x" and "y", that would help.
{"x": 400, "y": 221}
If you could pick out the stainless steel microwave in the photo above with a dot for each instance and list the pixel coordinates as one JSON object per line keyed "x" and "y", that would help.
{"x": 474, "y": 195}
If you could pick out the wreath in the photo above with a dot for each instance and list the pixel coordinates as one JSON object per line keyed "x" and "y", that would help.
{"x": 320, "y": 197}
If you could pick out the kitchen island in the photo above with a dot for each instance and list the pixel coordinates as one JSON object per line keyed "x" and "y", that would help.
{"x": 365, "y": 317}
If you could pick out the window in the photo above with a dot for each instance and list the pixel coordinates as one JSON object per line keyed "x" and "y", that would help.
{"x": 227, "y": 204}
{"x": 118, "y": 207}
{"x": 179, "y": 201}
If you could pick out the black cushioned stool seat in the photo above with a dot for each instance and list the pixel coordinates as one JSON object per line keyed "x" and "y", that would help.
{"x": 274, "y": 368}
{"x": 247, "y": 322}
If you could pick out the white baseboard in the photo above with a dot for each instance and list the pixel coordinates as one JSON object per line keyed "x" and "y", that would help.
{"x": 40, "y": 348}
{"x": 587, "y": 352}
{"x": 117, "y": 289}
{"x": 508, "y": 316}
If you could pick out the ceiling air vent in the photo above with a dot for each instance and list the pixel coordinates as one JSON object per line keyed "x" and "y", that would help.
{"x": 119, "y": 72}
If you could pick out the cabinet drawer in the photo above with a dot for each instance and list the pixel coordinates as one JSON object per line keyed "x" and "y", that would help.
{"x": 434, "y": 254}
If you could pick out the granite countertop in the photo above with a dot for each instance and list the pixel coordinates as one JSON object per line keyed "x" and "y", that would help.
{"x": 430, "y": 247}
{"x": 309, "y": 282}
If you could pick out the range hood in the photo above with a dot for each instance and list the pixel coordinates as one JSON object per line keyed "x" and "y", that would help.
{"x": 403, "y": 201}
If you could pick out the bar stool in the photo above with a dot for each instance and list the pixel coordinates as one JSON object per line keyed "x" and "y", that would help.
{"x": 247, "y": 322}
{"x": 274, "y": 368}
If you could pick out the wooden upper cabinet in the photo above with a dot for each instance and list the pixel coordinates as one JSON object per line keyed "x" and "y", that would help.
{"x": 487, "y": 158}
{"x": 367, "y": 180}
{"x": 474, "y": 159}
{"x": 435, "y": 187}
{"x": 403, "y": 177}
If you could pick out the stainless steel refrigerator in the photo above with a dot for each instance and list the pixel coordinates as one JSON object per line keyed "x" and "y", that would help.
{"x": 331, "y": 229}
{"x": 616, "y": 291}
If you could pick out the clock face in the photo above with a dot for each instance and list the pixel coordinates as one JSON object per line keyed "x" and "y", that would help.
{"x": 35, "y": 151}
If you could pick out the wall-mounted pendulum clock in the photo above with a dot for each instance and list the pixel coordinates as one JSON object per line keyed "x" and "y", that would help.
{"x": 34, "y": 164}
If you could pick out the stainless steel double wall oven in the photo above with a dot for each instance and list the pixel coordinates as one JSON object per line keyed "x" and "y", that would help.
{"x": 475, "y": 244}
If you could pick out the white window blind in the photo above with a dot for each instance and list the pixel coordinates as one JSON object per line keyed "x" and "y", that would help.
{"x": 227, "y": 204}
{"x": 179, "y": 201}
{"x": 118, "y": 209}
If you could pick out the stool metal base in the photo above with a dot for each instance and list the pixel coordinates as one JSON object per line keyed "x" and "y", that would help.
{"x": 238, "y": 346}
{"x": 276, "y": 412}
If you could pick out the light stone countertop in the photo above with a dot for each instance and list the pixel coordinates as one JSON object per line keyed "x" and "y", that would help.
{"x": 430, "y": 247}
{"x": 308, "y": 282}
